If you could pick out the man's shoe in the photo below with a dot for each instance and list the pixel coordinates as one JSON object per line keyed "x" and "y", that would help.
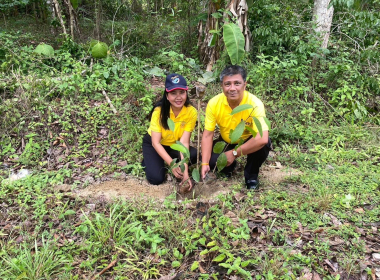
{"x": 252, "y": 185}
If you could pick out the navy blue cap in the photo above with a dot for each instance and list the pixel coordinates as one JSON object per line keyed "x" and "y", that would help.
{"x": 175, "y": 81}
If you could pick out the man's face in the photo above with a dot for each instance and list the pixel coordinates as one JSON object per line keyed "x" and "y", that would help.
{"x": 233, "y": 87}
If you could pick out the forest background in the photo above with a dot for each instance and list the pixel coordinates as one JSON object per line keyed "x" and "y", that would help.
{"x": 72, "y": 119}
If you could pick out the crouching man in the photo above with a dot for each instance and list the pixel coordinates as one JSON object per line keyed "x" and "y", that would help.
{"x": 218, "y": 112}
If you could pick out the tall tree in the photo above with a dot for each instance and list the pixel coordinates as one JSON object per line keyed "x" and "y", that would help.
{"x": 323, "y": 16}
{"x": 57, "y": 10}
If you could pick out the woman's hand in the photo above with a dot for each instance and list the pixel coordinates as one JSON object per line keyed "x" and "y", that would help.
{"x": 186, "y": 180}
{"x": 177, "y": 172}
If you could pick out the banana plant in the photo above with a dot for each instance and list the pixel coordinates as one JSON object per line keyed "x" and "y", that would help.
{"x": 234, "y": 40}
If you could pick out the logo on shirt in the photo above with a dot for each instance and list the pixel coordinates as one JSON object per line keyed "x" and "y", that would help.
{"x": 183, "y": 124}
{"x": 248, "y": 122}
{"x": 175, "y": 80}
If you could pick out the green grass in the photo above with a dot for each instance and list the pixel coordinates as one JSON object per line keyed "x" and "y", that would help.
{"x": 58, "y": 124}
{"x": 305, "y": 220}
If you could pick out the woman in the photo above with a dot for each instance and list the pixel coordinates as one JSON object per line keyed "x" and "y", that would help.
{"x": 174, "y": 104}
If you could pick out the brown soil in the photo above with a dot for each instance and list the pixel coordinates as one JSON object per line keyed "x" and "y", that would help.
{"x": 136, "y": 187}
{"x": 275, "y": 174}
{"x": 133, "y": 187}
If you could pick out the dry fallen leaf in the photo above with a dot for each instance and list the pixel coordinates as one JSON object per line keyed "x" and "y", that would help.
{"x": 8, "y": 226}
{"x": 319, "y": 230}
{"x": 335, "y": 242}
{"x": 235, "y": 243}
{"x": 263, "y": 217}
{"x": 307, "y": 276}
{"x": 239, "y": 196}
{"x": 300, "y": 228}
{"x": 233, "y": 217}
{"x": 359, "y": 210}
{"x": 271, "y": 213}
{"x": 376, "y": 257}
{"x": 360, "y": 230}
{"x": 331, "y": 265}
{"x": 374, "y": 230}
{"x": 201, "y": 269}
{"x": 230, "y": 214}
{"x": 334, "y": 220}
{"x": 316, "y": 276}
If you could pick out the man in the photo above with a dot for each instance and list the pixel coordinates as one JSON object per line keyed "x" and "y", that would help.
{"x": 218, "y": 112}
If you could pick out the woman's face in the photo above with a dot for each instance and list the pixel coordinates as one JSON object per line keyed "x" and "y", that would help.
{"x": 177, "y": 98}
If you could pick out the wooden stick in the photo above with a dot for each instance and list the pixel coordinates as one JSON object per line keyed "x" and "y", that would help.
{"x": 105, "y": 269}
{"x": 199, "y": 130}
{"x": 109, "y": 101}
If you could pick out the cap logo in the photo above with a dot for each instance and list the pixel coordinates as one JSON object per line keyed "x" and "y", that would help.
{"x": 175, "y": 80}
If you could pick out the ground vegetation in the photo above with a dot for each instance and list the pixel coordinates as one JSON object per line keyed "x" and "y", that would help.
{"x": 69, "y": 120}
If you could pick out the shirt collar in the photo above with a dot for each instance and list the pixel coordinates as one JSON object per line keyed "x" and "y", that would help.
{"x": 183, "y": 111}
{"x": 243, "y": 101}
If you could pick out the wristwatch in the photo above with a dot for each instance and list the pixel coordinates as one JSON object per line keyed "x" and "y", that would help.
{"x": 234, "y": 153}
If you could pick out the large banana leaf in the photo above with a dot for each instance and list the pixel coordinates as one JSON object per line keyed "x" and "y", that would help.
{"x": 234, "y": 41}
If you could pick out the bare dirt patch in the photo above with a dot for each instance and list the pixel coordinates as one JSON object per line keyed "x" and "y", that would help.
{"x": 140, "y": 188}
{"x": 277, "y": 173}
{"x": 133, "y": 187}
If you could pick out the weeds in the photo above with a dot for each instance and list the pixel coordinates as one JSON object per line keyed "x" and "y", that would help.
{"x": 56, "y": 122}
{"x": 42, "y": 263}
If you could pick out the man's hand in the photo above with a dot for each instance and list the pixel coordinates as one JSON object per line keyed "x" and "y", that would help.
{"x": 205, "y": 170}
{"x": 230, "y": 157}
{"x": 177, "y": 172}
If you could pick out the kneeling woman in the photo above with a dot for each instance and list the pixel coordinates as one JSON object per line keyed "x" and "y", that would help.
{"x": 174, "y": 104}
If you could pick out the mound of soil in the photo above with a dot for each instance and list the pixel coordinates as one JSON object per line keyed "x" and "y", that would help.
{"x": 133, "y": 187}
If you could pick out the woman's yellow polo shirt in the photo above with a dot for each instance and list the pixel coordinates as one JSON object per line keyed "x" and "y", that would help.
{"x": 218, "y": 112}
{"x": 185, "y": 121}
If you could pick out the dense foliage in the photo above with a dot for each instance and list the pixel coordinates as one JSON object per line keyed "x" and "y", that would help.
{"x": 323, "y": 105}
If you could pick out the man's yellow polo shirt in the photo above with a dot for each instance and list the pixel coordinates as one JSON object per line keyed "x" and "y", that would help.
{"x": 218, "y": 113}
{"x": 185, "y": 121}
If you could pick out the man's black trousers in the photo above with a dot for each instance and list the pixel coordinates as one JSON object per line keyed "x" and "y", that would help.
{"x": 155, "y": 169}
{"x": 254, "y": 160}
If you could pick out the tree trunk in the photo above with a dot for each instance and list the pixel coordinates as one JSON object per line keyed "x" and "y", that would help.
{"x": 59, "y": 15}
{"x": 323, "y": 15}
{"x": 34, "y": 11}
{"x": 207, "y": 52}
{"x": 73, "y": 18}
{"x": 71, "y": 15}
{"x": 97, "y": 19}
